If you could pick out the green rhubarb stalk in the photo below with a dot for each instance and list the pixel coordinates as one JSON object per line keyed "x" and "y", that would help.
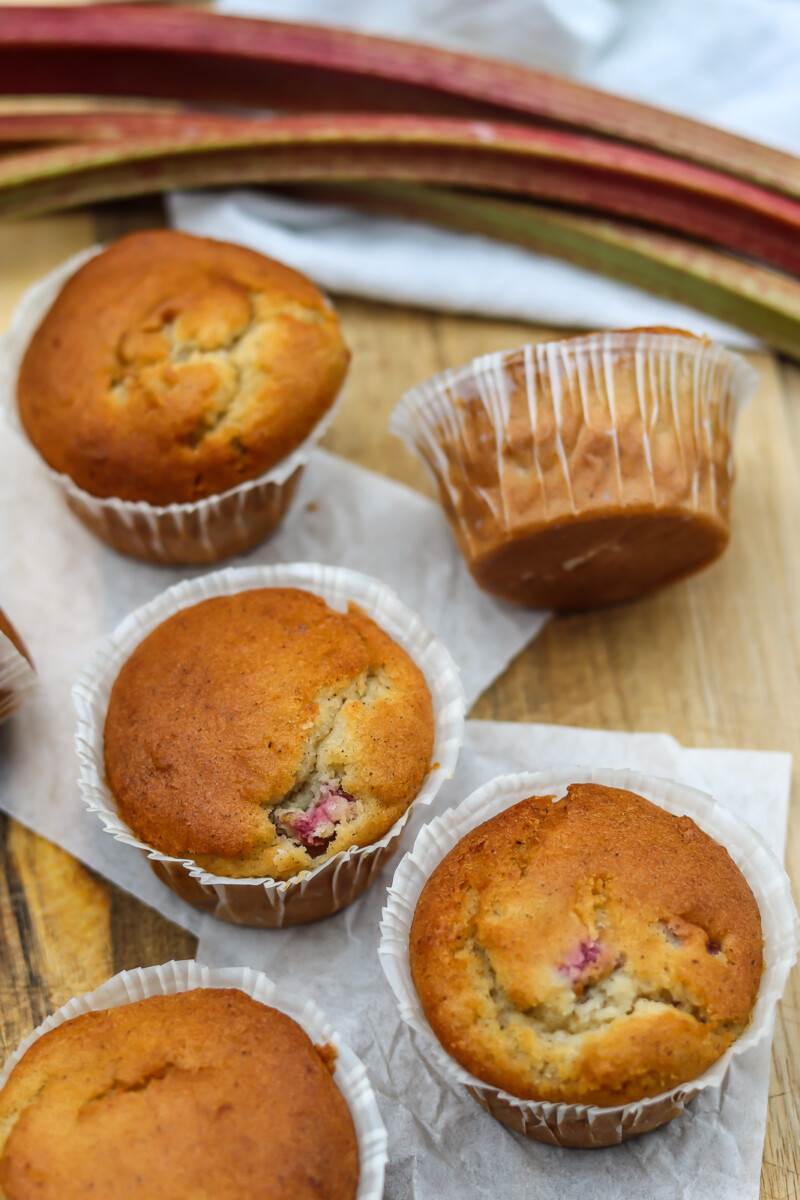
{"x": 203, "y": 57}
{"x": 760, "y": 301}
{"x": 543, "y": 164}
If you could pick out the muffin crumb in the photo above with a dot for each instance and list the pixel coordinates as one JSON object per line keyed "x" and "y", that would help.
{"x": 329, "y": 1055}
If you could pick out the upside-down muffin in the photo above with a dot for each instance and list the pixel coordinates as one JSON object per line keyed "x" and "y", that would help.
{"x": 594, "y": 950}
{"x": 172, "y": 368}
{"x": 261, "y": 733}
{"x": 200, "y": 1094}
{"x": 585, "y": 471}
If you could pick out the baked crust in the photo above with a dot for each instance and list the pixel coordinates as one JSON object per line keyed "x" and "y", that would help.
{"x": 171, "y": 368}
{"x": 204, "y": 1093}
{"x": 263, "y": 732}
{"x": 596, "y": 950}
{"x": 588, "y": 471}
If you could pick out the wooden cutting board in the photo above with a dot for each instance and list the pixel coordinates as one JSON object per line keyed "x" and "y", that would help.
{"x": 714, "y": 661}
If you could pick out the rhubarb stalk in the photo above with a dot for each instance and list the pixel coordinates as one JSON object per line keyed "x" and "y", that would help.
{"x": 755, "y": 299}
{"x": 543, "y": 164}
{"x": 115, "y": 125}
{"x": 199, "y": 56}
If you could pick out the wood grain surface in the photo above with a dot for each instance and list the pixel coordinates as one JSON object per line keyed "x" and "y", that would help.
{"x": 714, "y": 661}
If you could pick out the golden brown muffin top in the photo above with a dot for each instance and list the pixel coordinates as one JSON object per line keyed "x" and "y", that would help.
{"x": 263, "y": 732}
{"x": 205, "y": 1093}
{"x": 595, "y": 950}
{"x": 172, "y": 367}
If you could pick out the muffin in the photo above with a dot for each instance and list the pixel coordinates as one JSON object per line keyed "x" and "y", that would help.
{"x": 17, "y": 676}
{"x": 587, "y": 471}
{"x": 260, "y": 734}
{"x": 171, "y": 370}
{"x": 593, "y": 951}
{"x": 207, "y": 1092}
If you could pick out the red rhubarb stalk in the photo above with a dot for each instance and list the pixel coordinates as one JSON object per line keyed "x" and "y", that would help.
{"x": 114, "y": 125}
{"x": 755, "y": 299}
{"x": 544, "y": 164}
{"x": 199, "y": 56}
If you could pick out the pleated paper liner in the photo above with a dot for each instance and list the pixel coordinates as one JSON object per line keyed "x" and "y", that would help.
{"x": 339, "y": 880}
{"x": 202, "y": 531}
{"x": 584, "y": 471}
{"x": 18, "y": 680}
{"x": 173, "y": 977}
{"x": 580, "y": 1124}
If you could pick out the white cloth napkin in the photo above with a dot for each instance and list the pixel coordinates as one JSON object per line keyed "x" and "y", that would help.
{"x": 731, "y": 63}
{"x": 442, "y": 1146}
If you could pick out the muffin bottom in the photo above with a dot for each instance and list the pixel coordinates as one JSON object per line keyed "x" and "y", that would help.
{"x": 576, "y": 1129}
{"x": 588, "y": 561}
{"x": 297, "y": 902}
{"x": 206, "y": 532}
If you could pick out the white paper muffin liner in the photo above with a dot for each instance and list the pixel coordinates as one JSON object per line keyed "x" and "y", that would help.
{"x": 516, "y": 443}
{"x": 201, "y": 531}
{"x": 576, "y": 1124}
{"x": 173, "y": 977}
{"x": 340, "y": 879}
{"x": 18, "y": 680}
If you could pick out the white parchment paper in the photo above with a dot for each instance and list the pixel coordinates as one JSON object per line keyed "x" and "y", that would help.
{"x": 442, "y": 1146}
{"x": 64, "y": 590}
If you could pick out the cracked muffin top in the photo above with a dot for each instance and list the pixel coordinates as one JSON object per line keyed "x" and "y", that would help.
{"x": 263, "y": 732}
{"x": 595, "y": 950}
{"x": 171, "y": 368}
{"x": 205, "y": 1093}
